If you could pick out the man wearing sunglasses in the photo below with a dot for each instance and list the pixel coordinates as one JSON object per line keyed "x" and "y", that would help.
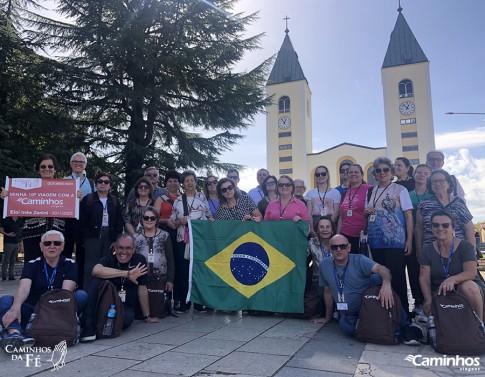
{"x": 154, "y": 176}
{"x": 345, "y": 277}
{"x": 50, "y": 271}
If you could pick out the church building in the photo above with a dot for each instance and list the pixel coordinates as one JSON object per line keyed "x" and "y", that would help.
{"x": 407, "y": 108}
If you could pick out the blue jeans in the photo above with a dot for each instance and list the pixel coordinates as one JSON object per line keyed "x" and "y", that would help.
{"x": 348, "y": 322}
{"x": 26, "y": 310}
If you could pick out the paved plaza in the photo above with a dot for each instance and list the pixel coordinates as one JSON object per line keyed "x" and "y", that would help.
{"x": 218, "y": 344}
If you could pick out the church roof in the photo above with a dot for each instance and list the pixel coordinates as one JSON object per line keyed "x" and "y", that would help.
{"x": 403, "y": 47}
{"x": 286, "y": 67}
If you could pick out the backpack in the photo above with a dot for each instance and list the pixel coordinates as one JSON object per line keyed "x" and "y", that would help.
{"x": 312, "y": 306}
{"x": 55, "y": 319}
{"x": 377, "y": 324}
{"x": 108, "y": 295}
{"x": 156, "y": 295}
{"x": 458, "y": 329}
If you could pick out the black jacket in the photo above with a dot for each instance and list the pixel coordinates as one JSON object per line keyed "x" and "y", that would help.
{"x": 91, "y": 217}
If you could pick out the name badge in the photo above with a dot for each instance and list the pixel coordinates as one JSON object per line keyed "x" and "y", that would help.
{"x": 349, "y": 213}
{"x": 151, "y": 258}
{"x": 342, "y": 306}
{"x": 323, "y": 212}
{"x": 372, "y": 218}
{"x": 122, "y": 295}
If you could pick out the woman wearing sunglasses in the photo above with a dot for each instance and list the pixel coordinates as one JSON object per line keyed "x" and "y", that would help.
{"x": 269, "y": 190}
{"x": 210, "y": 192}
{"x": 390, "y": 225}
{"x": 234, "y": 205}
{"x": 449, "y": 263}
{"x": 323, "y": 200}
{"x": 156, "y": 246}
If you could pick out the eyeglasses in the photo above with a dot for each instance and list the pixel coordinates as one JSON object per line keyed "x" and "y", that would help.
{"x": 149, "y": 218}
{"x": 212, "y": 183}
{"x": 435, "y": 159}
{"x": 44, "y": 167}
{"x": 48, "y": 243}
{"x": 228, "y": 188}
{"x": 438, "y": 225}
{"x": 344, "y": 170}
{"x": 323, "y": 174}
{"x": 438, "y": 181}
{"x": 103, "y": 181}
{"x": 300, "y": 187}
{"x": 122, "y": 248}
{"x": 143, "y": 187}
{"x": 384, "y": 170}
{"x": 284, "y": 185}
{"x": 341, "y": 246}
{"x": 154, "y": 175}
{"x": 232, "y": 177}
{"x": 270, "y": 183}
{"x": 75, "y": 162}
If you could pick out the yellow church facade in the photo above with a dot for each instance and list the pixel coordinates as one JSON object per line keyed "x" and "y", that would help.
{"x": 407, "y": 109}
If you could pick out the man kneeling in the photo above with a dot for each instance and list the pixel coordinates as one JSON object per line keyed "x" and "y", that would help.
{"x": 345, "y": 277}
{"x": 128, "y": 272}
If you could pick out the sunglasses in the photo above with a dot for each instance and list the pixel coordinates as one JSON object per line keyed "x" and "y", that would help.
{"x": 153, "y": 175}
{"x": 341, "y": 246}
{"x": 78, "y": 162}
{"x": 323, "y": 174}
{"x": 43, "y": 167}
{"x": 228, "y": 188}
{"x": 284, "y": 185}
{"x": 143, "y": 187}
{"x": 212, "y": 183}
{"x": 149, "y": 218}
{"x": 48, "y": 243}
{"x": 385, "y": 170}
{"x": 103, "y": 181}
{"x": 270, "y": 183}
{"x": 438, "y": 225}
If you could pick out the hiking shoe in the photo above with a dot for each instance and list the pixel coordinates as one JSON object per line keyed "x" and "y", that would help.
{"x": 412, "y": 335}
{"x": 89, "y": 333}
{"x": 10, "y": 342}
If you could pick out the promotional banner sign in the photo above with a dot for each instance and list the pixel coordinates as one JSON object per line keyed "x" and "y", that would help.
{"x": 37, "y": 197}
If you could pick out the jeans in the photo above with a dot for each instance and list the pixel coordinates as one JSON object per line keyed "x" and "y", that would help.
{"x": 10, "y": 252}
{"x": 26, "y": 310}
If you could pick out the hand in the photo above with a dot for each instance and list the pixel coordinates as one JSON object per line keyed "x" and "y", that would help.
{"x": 152, "y": 320}
{"x": 169, "y": 286}
{"x": 184, "y": 220}
{"x": 4, "y": 193}
{"x": 427, "y": 307}
{"x": 385, "y": 295}
{"x": 257, "y": 219}
{"x": 447, "y": 286}
{"x": 11, "y": 234}
{"x": 247, "y": 218}
{"x": 296, "y": 219}
{"x": 408, "y": 248}
{"x": 369, "y": 211}
{"x": 321, "y": 320}
{"x": 211, "y": 219}
{"x": 135, "y": 273}
{"x": 79, "y": 194}
{"x": 10, "y": 316}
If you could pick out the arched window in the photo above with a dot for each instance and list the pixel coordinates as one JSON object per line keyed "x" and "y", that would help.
{"x": 406, "y": 89}
{"x": 284, "y": 104}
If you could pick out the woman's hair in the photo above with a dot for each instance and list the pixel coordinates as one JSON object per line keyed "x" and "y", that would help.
{"x": 47, "y": 156}
{"x": 441, "y": 212}
{"x": 187, "y": 173}
{"x": 291, "y": 182}
{"x": 326, "y": 217}
{"x": 451, "y": 183}
{"x": 172, "y": 174}
{"x": 383, "y": 160}
{"x": 360, "y": 169}
{"x": 263, "y": 185}
{"x": 328, "y": 175}
{"x": 422, "y": 166}
{"x": 221, "y": 197}
{"x": 407, "y": 164}
{"x": 206, "y": 186}
{"x": 139, "y": 182}
{"x": 151, "y": 209}
{"x": 100, "y": 174}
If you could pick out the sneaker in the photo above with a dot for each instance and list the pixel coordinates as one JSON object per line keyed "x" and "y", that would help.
{"x": 15, "y": 340}
{"x": 200, "y": 308}
{"x": 182, "y": 308}
{"x": 412, "y": 335}
{"x": 89, "y": 332}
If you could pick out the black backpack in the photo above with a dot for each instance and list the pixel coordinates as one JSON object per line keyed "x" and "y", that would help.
{"x": 377, "y": 324}
{"x": 55, "y": 319}
{"x": 458, "y": 329}
{"x": 107, "y": 296}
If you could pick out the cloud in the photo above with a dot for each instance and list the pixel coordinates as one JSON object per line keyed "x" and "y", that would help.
{"x": 460, "y": 139}
{"x": 470, "y": 172}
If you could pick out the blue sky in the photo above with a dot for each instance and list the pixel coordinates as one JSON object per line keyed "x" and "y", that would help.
{"x": 341, "y": 47}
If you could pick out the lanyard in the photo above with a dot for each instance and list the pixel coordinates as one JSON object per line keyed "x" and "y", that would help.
{"x": 284, "y": 209}
{"x": 351, "y": 198}
{"x": 50, "y": 279}
{"x": 378, "y": 197}
{"x": 82, "y": 182}
{"x": 340, "y": 280}
{"x": 322, "y": 248}
{"x": 446, "y": 268}
{"x": 324, "y": 195}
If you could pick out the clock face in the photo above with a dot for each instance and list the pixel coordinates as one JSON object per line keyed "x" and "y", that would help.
{"x": 407, "y": 108}
{"x": 284, "y": 123}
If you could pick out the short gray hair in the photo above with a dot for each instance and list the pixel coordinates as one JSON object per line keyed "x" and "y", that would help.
{"x": 81, "y": 154}
{"x": 384, "y": 160}
{"x": 52, "y": 233}
{"x": 431, "y": 152}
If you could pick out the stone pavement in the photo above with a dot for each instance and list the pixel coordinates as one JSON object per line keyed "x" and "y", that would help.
{"x": 217, "y": 344}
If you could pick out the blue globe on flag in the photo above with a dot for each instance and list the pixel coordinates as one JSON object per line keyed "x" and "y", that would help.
{"x": 249, "y": 263}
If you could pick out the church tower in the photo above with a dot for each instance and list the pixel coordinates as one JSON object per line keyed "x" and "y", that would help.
{"x": 407, "y": 96}
{"x": 288, "y": 120}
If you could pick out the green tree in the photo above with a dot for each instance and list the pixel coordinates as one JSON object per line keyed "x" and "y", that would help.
{"x": 148, "y": 78}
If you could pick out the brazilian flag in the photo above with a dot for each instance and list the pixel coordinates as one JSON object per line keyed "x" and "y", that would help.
{"x": 238, "y": 265}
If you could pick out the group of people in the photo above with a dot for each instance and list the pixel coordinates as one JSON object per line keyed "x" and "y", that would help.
{"x": 412, "y": 218}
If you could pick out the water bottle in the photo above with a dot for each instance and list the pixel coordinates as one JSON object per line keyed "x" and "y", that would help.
{"x": 109, "y": 321}
{"x": 29, "y": 324}
{"x": 431, "y": 331}
{"x": 363, "y": 248}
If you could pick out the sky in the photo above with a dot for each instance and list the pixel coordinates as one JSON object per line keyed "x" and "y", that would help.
{"x": 341, "y": 46}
